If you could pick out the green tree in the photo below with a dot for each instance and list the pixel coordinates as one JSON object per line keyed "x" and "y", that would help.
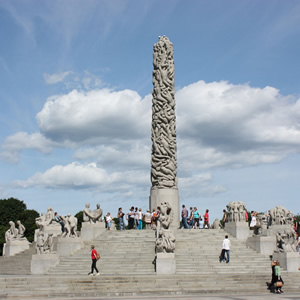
{"x": 13, "y": 209}
{"x": 79, "y": 217}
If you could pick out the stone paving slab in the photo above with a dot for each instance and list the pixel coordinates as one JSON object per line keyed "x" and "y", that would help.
{"x": 184, "y": 297}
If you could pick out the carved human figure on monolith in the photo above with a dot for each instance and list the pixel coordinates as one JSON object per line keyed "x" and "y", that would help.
{"x": 164, "y": 162}
{"x": 165, "y": 239}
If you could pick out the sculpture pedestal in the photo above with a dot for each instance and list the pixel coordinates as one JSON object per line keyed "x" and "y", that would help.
{"x": 68, "y": 246}
{"x": 239, "y": 230}
{"x": 157, "y": 196}
{"x": 262, "y": 244}
{"x": 14, "y": 247}
{"x": 52, "y": 228}
{"x": 289, "y": 261}
{"x": 40, "y": 264}
{"x": 165, "y": 263}
{"x": 90, "y": 231}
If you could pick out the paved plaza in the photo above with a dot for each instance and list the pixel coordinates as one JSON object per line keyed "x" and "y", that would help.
{"x": 289, "y": 296}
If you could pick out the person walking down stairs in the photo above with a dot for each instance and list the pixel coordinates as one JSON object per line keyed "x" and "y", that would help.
{"x": 95, "y": 256}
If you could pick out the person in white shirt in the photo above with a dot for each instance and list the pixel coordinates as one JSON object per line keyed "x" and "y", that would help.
{"x": 226, "y": 249}
{"x": 140, "y": 218}
{"x": 253, "y": 220}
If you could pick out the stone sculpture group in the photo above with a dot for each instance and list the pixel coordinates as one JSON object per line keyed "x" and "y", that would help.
{"x": 163, "y": 158}
{"x": 165, "y": 239}
{"x": 90, "y": 216}
{"x": 236, "y": 211}
{"x": 14, "y": 233}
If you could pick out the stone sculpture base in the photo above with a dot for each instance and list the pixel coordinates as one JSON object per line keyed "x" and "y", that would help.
{"x": 289, "y": 261}
{"x": 157, "y": 196}
{"x": 165, "y": 263}
{"x": 239, "y": 230}
{"x": 14, "y": 247}
{"x": 40, "y": 264}
{"x": 52, "y": 228}
{"x": 91, "y": 231}
{"x": 274, "y": 229}
{"x": 262, "y": 244}
{"x": 68, "y": 246}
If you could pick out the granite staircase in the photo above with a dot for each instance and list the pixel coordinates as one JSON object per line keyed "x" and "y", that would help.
{"x": 122, "y": 253}
{"x": 19, "y": 264}
{"x": 197, "y": 252}
{"x": 126, "y": 269}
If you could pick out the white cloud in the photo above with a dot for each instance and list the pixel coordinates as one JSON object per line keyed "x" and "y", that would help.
{"x": 221, "y": 124}
{"x": 133, "y": 155}
{"x": 22, "y": 140}
{"x": 95, "y": 117}
{"x": 84, "y": 176}
{"x": 218, "y": 125}
{"x": 55, "y": 78}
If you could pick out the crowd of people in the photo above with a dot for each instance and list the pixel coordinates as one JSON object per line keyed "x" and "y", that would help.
{"x": 193, "y": 220}
{"x": 135, "y": 218}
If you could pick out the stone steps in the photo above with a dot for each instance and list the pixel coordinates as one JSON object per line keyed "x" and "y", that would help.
{"x": 126, "y": 269}
{"x": 198, "y": 250}
{"x": 83, "y": 286}
{"x": 18, "y": 264}
{"x": 122, "y": 252}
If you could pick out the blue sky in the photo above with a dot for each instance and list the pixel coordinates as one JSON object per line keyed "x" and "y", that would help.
{"x": 76, "y": 83}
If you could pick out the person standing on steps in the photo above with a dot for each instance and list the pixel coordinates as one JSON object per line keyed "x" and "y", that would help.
{"x": 184, "y": 216}
{"x": 95, "y": 256}
{"x": 226, "y": 249}
{"x": 120, "y": 216}
{"x": 206, "y": 220}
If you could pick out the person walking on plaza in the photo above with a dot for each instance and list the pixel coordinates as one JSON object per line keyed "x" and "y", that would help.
{"x": 95, "y": 256}
{"x": 108, "y": 219}
{"x": 136, "y": 218}
{"x": 190, "y": 220}
{"x": 206, "y": 220}
{"x": 148, "y": 219}
{"x": 140, "y": 219}
{"x": 184, "y": 215}
{"x": 196, "y": 218}
{"x": 153, "y": 219}
{"x": 131, "y": 216}
{"x": 120, "y": 216}
{"x": 226, "y": 249}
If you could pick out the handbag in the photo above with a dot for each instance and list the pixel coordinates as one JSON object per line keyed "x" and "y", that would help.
{"x": 278, "y": 284}
{"x": 98, "y": 256}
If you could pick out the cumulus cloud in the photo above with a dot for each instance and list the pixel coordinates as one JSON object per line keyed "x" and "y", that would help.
{"x": 84, "y": 176}
{"x": 55, "y": 78}
{"x": 97, "y": 116}
{"x": 221, "y": 124}
{"x": 218, "y": 125}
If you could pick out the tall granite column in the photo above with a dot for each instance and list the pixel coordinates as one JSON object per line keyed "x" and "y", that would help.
{"x": 163, "y": 157}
